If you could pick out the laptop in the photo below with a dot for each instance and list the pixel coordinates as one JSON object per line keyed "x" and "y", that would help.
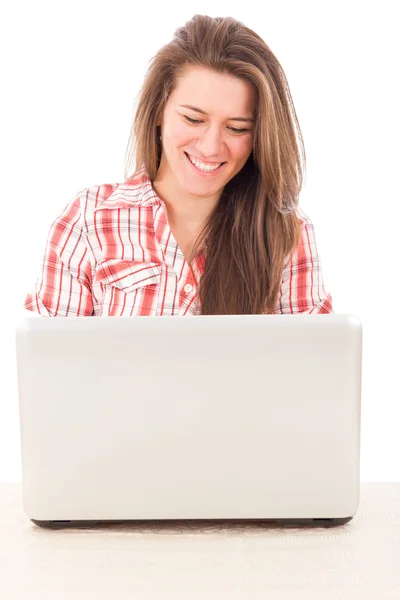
{"x": 242, "y": 417}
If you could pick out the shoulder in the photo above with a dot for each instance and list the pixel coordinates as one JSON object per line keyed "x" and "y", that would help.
{"x": 302, "y": 216}
{"x": 135, "y": 192}
{"x": 306, "y": 240}
{"x": 80, "y": 208}
{"x": 89, "y": 198}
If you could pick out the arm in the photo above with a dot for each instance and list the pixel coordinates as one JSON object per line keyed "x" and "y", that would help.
{"x": 64, "y": 284}
{"x": 302, "y": 288}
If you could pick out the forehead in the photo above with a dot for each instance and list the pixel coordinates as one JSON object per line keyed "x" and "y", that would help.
{"x": 214, "y": 92}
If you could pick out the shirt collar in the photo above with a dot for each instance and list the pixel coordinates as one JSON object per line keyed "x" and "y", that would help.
{"x": 136, "y": 191}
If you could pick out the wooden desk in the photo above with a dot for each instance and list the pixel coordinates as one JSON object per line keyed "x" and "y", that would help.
{"x": 184, "y": 560}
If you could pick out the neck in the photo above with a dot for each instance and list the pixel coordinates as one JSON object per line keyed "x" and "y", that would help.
{"x": 191, "y": 212}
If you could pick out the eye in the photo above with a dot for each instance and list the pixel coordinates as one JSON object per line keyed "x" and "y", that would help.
{"x": 233, "y": 129}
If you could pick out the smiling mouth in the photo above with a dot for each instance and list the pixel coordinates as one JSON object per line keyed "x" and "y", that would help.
{"x": 211, "y": 164}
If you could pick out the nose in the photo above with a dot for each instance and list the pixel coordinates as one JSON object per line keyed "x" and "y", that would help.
{"x": 210, "y": 143}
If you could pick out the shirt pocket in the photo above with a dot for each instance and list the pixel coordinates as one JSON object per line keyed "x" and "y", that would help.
{"x": 127, "y": 287}
{"x": 127, "y": 275}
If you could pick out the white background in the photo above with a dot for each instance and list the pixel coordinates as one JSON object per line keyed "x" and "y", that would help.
{"x": 70, "y": 76}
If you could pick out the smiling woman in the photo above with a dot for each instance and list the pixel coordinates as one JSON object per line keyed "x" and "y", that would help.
{"x": 200, "y": 157}
{"x": 207, "y": 220}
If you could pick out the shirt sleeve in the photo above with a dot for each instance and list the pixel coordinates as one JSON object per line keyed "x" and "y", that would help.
{"x": 302, "y": 287}
{"x": 64, "y": 284}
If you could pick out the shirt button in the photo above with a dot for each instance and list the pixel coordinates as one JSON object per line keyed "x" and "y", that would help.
{"x": 188, "y": 288}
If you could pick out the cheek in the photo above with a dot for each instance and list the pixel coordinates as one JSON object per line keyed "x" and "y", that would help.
{"x": 178, "y": 135}
{"x": 242, "y": 148}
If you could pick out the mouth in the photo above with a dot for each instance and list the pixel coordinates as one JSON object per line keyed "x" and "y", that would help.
{"x": 205, "y": 172}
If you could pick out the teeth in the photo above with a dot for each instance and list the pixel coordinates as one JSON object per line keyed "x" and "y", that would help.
{"x": 203, "y": 166}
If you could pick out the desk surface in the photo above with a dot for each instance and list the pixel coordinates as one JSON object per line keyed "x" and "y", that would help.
{"x": 246, "y": 561}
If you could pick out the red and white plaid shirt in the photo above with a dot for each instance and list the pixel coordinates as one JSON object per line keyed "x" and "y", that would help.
{"x": 111, "y": 253}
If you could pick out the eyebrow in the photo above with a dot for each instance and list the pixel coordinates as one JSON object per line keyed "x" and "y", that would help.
{"x": 203, "y": 112}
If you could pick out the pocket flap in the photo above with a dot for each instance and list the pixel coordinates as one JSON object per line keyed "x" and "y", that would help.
{"x": 127, "y": 274}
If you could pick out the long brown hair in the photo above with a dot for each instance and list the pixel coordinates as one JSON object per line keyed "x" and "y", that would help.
{"x": 254, "y": 228}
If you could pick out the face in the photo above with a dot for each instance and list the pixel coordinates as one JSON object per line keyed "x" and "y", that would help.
{"x": 212, "y": 132}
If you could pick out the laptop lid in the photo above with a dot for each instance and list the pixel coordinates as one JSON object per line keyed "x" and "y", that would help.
{"x": 206, "y": 417}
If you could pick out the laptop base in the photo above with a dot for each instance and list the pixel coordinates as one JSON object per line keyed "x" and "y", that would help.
{"x": 334, "y": 522}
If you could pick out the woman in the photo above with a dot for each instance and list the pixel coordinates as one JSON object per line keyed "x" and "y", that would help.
{"x": 208, "y": 222}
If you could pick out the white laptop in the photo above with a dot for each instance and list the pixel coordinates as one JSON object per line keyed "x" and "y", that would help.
{"x": 198, "y": 417}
